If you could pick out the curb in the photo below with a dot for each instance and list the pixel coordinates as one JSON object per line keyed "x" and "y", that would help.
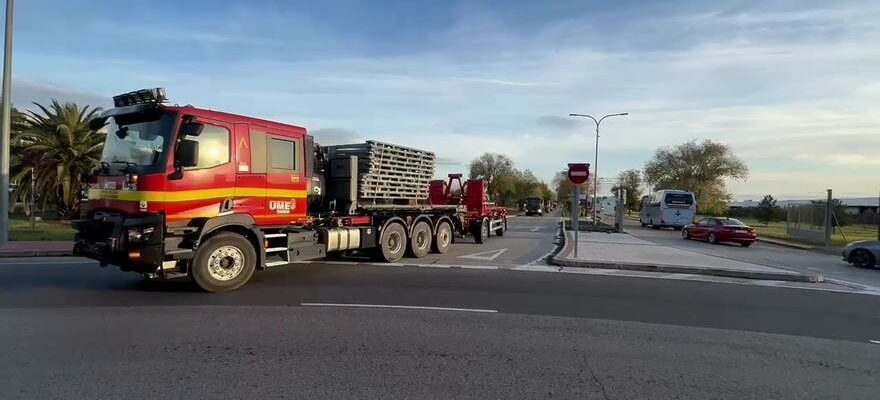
{"x": 35, "y": 253}
{"x": 682, "y": 269}
{"x": 786, "y": 243}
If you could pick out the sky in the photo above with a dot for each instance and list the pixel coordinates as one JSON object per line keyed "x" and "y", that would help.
{"x": 792, "y": 86}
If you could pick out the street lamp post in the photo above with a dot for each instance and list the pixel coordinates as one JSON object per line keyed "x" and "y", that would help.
{"x": 596, "y": 161}
{"x": 5, "y": 126}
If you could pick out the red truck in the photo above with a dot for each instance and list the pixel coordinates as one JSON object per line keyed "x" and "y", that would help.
{"x": 186, "y": 192}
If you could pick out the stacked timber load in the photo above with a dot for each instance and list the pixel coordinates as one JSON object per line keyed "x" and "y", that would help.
{"x": 388, "y": 172}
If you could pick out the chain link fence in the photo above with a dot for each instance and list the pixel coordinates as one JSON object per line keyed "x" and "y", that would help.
{"x": 806, "y": 222}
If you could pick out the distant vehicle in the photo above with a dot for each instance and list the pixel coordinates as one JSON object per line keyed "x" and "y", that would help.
{"x": 535, "y": 205}
{"x": 675, "y": 208}
{"x": 862, "y": 254}
{"x": 719, "y": 229}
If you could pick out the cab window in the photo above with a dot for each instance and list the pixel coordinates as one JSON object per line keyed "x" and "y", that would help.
{"x": 284, "y": 155}
{"x": 213, "y": 146}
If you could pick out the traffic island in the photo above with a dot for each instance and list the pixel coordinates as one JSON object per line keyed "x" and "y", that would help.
{"x": 626, "y": 252}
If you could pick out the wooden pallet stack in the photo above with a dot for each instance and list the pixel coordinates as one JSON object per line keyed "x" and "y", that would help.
{"x": 389, "y": 172}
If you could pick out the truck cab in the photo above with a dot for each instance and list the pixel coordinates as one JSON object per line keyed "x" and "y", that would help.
{"x": 535, "y": 206}
{"x": 173, "y": 174}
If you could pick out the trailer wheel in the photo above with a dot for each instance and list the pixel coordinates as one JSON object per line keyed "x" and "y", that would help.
{"x": 502, "y": 228}
{"x": 224, "y": 262}
{"x": 480, "y": 230}
{"x": 443, "y": 238}
{"x": 392, "y": 242}
{"x": 420, "y": 240}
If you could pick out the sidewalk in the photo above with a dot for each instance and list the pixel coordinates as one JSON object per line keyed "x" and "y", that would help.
{"x": 623, "y": 251}
{"x": 36, "y": 248}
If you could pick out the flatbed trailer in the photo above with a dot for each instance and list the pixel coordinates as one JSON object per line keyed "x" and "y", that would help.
{"x": 261, "y": 194}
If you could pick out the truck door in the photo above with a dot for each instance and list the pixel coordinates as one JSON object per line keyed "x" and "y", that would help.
{"x": 285, "y": 179}
{"x": 206, "y": 190}
{"x": 250, "y": 174}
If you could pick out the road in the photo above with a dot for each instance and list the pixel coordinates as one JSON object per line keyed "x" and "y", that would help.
{"x": 527, "y": 240}
{"x": 75, "y": 330}
{"x": 829, "y": 266}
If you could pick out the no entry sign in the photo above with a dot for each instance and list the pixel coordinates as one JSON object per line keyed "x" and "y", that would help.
{"x": 578, "y": 173}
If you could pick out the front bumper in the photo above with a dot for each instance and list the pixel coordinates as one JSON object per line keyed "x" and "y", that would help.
{"x": 104, "y": 238}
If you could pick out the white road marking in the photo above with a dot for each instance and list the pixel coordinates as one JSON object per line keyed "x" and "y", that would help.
{"x": 462, "y": 266}
{"x": 875, "y": 341}
{"x": 535, "y": 229}
{"x": 485, "y": 255}
{"x": 356, "y": 305}
{"x": 476, "y": 266}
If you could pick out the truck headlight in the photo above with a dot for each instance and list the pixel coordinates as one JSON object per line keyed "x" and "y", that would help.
{"x": 140, "y": 234}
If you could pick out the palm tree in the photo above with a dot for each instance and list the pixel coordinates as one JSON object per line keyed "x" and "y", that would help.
{"x": 60, "y": 147}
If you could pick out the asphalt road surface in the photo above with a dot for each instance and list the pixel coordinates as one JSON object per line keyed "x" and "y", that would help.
{"x": 827, "y": 265}
{"x": 526, "y": 240}
{"x": 73, "y": 330}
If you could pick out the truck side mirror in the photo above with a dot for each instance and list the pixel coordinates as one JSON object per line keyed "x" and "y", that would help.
{"x": 191, "y": 128}
{"x": 187, "y": 154}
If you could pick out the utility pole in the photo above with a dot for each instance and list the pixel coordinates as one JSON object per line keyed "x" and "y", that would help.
{"x": 6, "y": 110}
{"x": 829, "y": 223}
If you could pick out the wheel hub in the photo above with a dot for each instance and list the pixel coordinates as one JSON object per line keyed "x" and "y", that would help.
{"x": 225, "y": 263}
{"x": 394, "y": 242}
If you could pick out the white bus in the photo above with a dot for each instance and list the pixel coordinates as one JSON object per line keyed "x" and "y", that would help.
{"x": 675, "y": 208}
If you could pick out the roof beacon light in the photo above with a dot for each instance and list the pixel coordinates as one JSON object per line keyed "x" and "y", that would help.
{"x": 143, "y": 96}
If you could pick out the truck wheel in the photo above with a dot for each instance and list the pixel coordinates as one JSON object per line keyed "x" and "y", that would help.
{"x": 480, "y": 230}
{"x": 502, "y": 228}
{"x": 420, "y": 240}
{"x": 224, "y": 262}
{"x": 443, "y": 239}
{"x": 392, "y": 243}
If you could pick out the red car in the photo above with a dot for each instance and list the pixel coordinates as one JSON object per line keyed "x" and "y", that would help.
{"x": 718, "y": 229}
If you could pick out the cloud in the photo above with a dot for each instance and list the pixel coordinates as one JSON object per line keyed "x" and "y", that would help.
{"x": 334, "y": 136}
{"x": 26, "y": 92}
{"x": 557, "y": 122}
{"x": 500, "y": 82}
{"x": 787, "y": 85}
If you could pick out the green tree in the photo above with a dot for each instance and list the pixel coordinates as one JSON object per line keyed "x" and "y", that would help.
{"x": 697, "y": 167}
{"x": 841, "y": 218}
{"x": 527, "y": 185}
{"x": 767, "y": 210}
{"x": 546, "y": 193}
{"x": 60, "y": 146}
{"x": 498, "y": 170}
{"x": 631, "y": 180}
{"x": 563, "y": 187}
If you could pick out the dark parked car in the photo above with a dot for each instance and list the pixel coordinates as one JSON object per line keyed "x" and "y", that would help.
{"x": 862, "y": 254}
{"x": 719, "y": 229}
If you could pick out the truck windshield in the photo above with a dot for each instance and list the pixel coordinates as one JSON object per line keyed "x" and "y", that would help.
{"x": 533, "y": 201}
{"x": 138, "y": 141}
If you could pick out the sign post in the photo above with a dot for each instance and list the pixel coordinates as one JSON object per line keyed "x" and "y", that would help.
{"x": 578, "y": 173}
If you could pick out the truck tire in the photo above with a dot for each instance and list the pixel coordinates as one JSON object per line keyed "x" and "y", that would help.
{"x": 392, "y": 243}
{"x": 480, "y": 230}
{"x": 224, "y": 262}
{"x": 420, "y": 239}
{"x": 443, "y": 239}
{"x": 502, "y": 228}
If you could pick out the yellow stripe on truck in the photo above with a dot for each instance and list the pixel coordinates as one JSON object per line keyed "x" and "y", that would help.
{"x": 190, "y": 195}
